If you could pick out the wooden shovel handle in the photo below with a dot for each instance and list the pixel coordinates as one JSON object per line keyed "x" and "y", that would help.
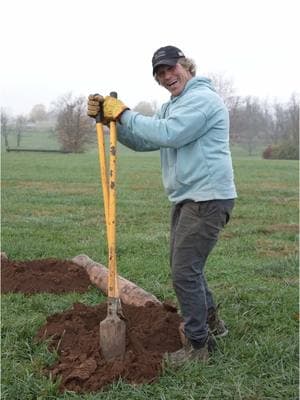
{"x": 112, "y": 265}
{"x": 103, "y": 172}
{"x": 109, "y": 198}
{"x": 113, "y": 290}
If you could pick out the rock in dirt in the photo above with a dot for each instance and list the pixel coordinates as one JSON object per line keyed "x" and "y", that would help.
{"x": 44, "y": 275}
{"x": 151, "y": 331}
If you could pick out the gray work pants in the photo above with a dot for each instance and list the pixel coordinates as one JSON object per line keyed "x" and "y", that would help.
{"x": 195, "y": 227}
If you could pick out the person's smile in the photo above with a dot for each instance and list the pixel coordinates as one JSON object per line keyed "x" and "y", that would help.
{"x": 173, "y": 78}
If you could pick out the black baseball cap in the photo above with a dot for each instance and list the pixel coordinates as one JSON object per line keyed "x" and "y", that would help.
{"x": 167, "y": 55}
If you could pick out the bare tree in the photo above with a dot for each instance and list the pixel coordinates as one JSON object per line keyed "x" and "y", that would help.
{"x": 293, "y": 114}
{"x": 285, "y": 120}
{"x": 38, "y": 113}
{"x": 4, "y": 126}
{"x": 225, "y": 88}
{"x": 280, "y": 121}
{"x": 74, "y": 128}
{"x": 268, "y": 128}
{"x": 248, "y": 123}
{"x": 20, "y": 127}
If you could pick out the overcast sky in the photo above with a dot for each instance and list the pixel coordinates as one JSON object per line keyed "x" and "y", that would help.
{"x": 52, "y": 47}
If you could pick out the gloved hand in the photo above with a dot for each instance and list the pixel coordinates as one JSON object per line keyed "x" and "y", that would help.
{"x": 94, "y": 104}
{"x": 113, "y": 108}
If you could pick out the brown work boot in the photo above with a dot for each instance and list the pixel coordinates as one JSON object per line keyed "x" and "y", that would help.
{"x": 190, "y": 353}
{"x": 216, "y": 325}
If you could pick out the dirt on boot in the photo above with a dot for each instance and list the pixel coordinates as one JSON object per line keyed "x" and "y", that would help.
{"x": 151, "y": 331}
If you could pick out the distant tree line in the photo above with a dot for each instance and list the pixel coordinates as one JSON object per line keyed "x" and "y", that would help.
{"x": 67, "y": 120}
{"x": 255, "y": 122}
{"x": 273, "y": 126}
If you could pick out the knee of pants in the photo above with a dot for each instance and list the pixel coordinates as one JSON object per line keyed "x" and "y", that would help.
{"x": 186, "y": 276}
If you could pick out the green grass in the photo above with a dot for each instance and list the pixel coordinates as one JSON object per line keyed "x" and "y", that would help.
{"x": 52, "y": 207}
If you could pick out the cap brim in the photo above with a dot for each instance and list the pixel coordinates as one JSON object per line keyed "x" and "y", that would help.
{"x": 170, "y": 62}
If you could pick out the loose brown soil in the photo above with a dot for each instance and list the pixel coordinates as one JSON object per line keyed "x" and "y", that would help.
{"x": 151, "y": 331}
{"x": 45, "y": 275}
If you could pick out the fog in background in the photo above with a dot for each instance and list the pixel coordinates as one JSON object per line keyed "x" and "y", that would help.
{"x": 49, "y": 48}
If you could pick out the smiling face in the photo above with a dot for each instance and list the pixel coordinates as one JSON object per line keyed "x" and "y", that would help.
{"x": 173, "y": 78}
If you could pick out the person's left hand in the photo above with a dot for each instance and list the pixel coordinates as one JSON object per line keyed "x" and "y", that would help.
{"x": 94, "y": 105}
{"x": 113, "y": 108}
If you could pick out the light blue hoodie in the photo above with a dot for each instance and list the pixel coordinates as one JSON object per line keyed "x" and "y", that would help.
{"x": 192, "y": 133}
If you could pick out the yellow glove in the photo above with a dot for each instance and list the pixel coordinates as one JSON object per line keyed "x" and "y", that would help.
{"x": 94, "y": 104}
{"x": 113, "y": 108}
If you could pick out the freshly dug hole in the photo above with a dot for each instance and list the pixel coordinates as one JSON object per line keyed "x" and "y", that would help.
{"x": 151, "y": 331}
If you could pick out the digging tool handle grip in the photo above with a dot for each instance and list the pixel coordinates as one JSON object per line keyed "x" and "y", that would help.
{"x": 100, "y": 115}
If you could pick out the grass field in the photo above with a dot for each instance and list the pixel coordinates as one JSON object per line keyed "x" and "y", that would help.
{"x": 52, "y": 207}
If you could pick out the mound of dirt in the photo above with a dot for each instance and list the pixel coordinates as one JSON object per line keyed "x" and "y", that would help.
{"x": 45, "y": 275}
{"x": 150, "y": 332}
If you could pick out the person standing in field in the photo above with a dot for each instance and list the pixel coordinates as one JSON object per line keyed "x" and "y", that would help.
{"x": 191, "y": 131}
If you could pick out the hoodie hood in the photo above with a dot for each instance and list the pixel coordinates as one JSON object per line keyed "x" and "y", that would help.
{"x": 196, "y": 82}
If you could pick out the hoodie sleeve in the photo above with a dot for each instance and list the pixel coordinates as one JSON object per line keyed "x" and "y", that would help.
{"x": 134, "y": 142}
{"x": 185, "y": 123}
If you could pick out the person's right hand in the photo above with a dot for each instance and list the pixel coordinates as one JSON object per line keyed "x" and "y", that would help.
{"x": 94, "y": 105}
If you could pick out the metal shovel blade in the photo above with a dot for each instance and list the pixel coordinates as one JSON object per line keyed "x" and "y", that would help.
{"x": 112, "y": 335}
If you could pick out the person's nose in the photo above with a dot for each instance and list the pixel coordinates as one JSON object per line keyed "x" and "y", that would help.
{"x": 168, "y": 75}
